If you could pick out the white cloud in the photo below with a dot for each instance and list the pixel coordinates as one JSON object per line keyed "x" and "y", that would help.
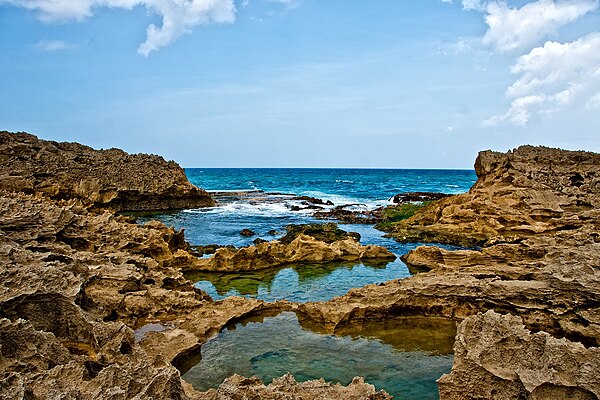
{"x": 178, "y": 16}
{"x": 594, "y": 101}
{"x": 473, "y": 5}
{"x": 288, "y": 3}
{"x": 52, "y": 45}
{"x": 513, "y": 29}
{"x": 552, "y": 78}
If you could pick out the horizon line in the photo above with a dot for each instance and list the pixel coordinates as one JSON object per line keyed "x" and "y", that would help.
{"x": 356, "y": 168}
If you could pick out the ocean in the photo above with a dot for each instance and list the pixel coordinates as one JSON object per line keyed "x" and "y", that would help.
{"x": 403, "y": 359}
{"x": 268, "y": 212}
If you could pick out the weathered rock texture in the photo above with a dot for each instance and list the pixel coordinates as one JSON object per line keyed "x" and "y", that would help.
{"x": 496, "y": 357}
{"x": 108, "y": 178}
{"x": 529, "y": 192}
{"x": 286, "y": 387}
{"x": 535, "y": 212}
{"x": 302, "y": 249}
{"x": 75, "y": 280}
{"x": 71, "y": 278}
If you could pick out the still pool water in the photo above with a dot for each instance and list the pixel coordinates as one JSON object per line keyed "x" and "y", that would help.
{"x": 299, "y": 283}
{"x": 405, "y": 358}
{"x": 310, "y": 282}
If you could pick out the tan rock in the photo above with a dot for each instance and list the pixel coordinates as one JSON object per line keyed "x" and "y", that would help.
{"x": 495, "y": 356}
{"x": 108, "y": 178}
{"x": 286, "y": 387}
{"x": 303, "y": 249}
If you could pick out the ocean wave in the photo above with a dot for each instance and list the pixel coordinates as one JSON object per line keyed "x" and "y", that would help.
{"x": 343, "y": 181}
{"x": 262, "y": 209}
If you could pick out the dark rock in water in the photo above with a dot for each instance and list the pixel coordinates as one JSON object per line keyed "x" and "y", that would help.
{"x": 410, "y": 197}
{"x": 314, "y": 200}
{"x": 259, "y": 241}
{"x": 307, "y": 207}
{"x": 247, "y": 232}
{"x": 327, "y": 233}
{"x": 343, "y": 215}
{"x": 199, "y": 251}
{"x": 273, "y": 232}
{"x": 103, "y": 178}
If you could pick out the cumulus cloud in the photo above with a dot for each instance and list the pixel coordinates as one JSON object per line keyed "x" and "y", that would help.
{"x": 178, "y": 16}
{"x": 553, "y": 77}
{"x": 513, "y": 29}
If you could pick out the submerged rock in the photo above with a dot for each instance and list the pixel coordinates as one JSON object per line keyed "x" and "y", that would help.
{"x": 342, "y": 214}
{"x": 313, "y": 200}
{"x": 247, "y": 232}
{"x": 107, "y": 178}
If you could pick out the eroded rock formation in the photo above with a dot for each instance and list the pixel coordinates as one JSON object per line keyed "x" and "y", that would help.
{"x": 302, "y": 249}
{"x": 75, "y": 279}
{"x": 528, "y": 192}
{"x": 238, "y": 387}
{"x": 535, "y": 212}
{"x": 496, "y": 357}
{"x": 108, "y": 178}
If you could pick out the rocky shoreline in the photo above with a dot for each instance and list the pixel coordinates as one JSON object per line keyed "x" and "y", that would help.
{"x": 78, "y": 279}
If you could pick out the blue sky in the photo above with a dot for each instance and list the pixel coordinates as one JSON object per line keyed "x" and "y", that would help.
{"x": 303, "y": 83}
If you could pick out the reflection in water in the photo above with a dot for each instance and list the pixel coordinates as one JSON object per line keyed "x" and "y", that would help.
{"x": 300, "y": 283}
{"x": 279, "y": 345}
{"x": 433, "y": 335}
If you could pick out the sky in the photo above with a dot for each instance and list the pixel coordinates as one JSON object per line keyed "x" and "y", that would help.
{"x": 304, "y": 83}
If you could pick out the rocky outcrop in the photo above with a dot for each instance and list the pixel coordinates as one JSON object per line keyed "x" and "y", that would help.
{"x": 106, "y": 178}
{"x": 73, "y": 284}
{"x": 238, "y": 387}
{"x": 75, "y": 280}
{"x": 348, "y": 216}
{"x": 302, "y": 244}
{"x": 530, "y": 191}
{"x": 38, "y": 365}
{"x": 496, "y": 357}
{"x": 533, "y": 218}
{"x": 327, "y": 233}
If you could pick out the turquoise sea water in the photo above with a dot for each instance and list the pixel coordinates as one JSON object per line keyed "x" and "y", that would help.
{"x": 403, "y": 358}
{"x": 367, "y": 189}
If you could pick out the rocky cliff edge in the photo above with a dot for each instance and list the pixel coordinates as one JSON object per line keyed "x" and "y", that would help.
{"x": 106, "y": 178}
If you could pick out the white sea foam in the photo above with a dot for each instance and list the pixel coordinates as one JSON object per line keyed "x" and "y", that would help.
{"x": 261, "y": 209}
{"x": 336, "y": 199}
